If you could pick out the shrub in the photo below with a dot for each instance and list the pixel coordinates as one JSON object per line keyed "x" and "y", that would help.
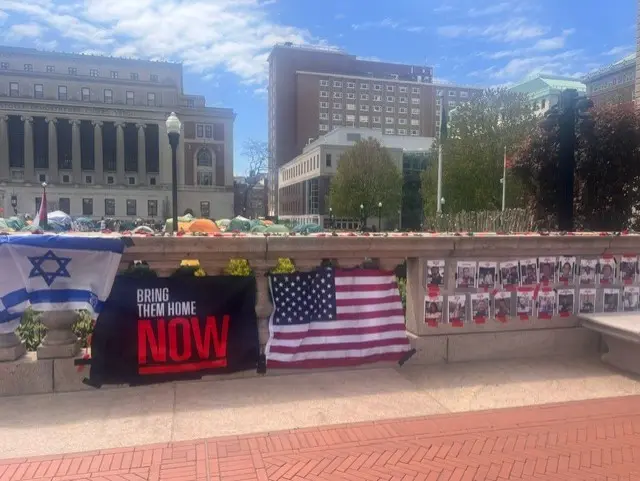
{"x": 238, "y": 267}
{"x": 283, "y": 266}
{"x": 32, "y": 331}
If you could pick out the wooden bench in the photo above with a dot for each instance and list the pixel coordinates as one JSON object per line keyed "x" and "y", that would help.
{"x": 621, "y": 333}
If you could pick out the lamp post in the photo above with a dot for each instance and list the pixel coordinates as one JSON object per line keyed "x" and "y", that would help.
{"x": 331, "y": 218}
{"x": 14, "y": 203}
{"x": 173, "y": 131}
{"x": 362, "y": 221}
{"x": 379, "y": 216}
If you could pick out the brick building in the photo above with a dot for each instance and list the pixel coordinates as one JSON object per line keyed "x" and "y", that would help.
{"x": 615, "y": 83}
{"x": 93, "y": 128}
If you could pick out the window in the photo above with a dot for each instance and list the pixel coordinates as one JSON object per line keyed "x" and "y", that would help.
{"x": 364, "y": 118}
{"x": 438, "y": 101}
{"x": 109, "y": 207}
{"x": 337, "y": 84}
{"x": 362, "y": 86}
{"x": 324, "y": 83}
{"x": 415, "y": 111}
{"x": 364, "y": 108}
{"x": 390, "y": 109}
{"x": 14, "y": 90}
{"x": 402, "y": 110}
{"x": 108, "y": 96}
{"x": 4, "y": 66}
{"x": 131, "y": 180}
{"x": 415, "y": 121}
{"x": 88, "y": 179}
{"x": 337, "y": 105}
{"x": 28, "y": 67}
{"x": 402, "y": 90}
{"x": 390, "y": 88}
{"x": 377, "y": 88}
{"x": 324, "y": 105}
{"x": 376, "y": 120}
{"x": 415, "y": 132}
{"x": 377, "y": 98}
{"x": 327, "y": 160}
{"x": 86, "y": 94}
{"x": 87, "y": 206}
{"x": 351, "y": 106}
{"x": 452, "y": 93}
{"x": 93, "y": 72}
{"x": 337, "y": 95}
{"x": 113, "y": 74}
{"x": 351, "y": 85}
{"x": 204, "y": 164}
{"x": 402, "y": 121}
{"x": 205, "y": 210}
{"x": 131, "y": 207}
{"x": 391, "y": 99}
{"x": 377, "y": 108}
{"x": 351, "y": 118}
{"x": 364, "y": 96}
{"x": 62, "y": 92}
{"x": 336, "y": 117}
{"x": 42, "y": 177}
{"x": 351, "y": 96}
{"x": 415, "y": 90}
{"x": 152, "y": 181}
{"x": 415, "y": 101}
{"x": 73, "y": 71}
{"x": 38, "y": 91}
{"x": 324, "y": 116}
{"x": 199, "y": 131}
{"x": 389, "y": 120}
{"x": 438, "y": 113}
{"x": 64, "y": 204}
{"x": 324, "y": 94}
{"x": 134, "y": 76}
{"x": 152, "y": 208}
{"x": 66, "y": 179}
{"x": 389, "y": 131}
{"x": 50, "y": 68}
{"x": 153, "y": 77}
{"x": 440, "y": 93}
{"x": 151, "y": 99}
{"x": 464, "y": 94}
{"x": 403, "y": 100}
{"x": 402, "y": 131}
{"x": 208, "y": 131}
{"x": 191, "y": 103}
{"x": 130, "y": 97}
{"x": 324, "y": 128}
{"x": 452, "y": 103}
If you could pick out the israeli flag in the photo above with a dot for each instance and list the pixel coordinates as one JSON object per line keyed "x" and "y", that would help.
{"x": 55, "y": 272}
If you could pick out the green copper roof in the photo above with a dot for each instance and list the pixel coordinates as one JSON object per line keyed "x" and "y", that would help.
{"x": 543, "y": 85}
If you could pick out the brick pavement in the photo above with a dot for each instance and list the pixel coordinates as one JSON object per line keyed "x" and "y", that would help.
{"x": 586, "y": 440}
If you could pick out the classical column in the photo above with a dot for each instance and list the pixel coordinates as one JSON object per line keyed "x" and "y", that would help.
{"x": 142, "y": 155}
{"x": 97, "y": 152}
{"x": 120, "y": 177}
{"x": 76, "y": 151}
{"x": 53, "y": 149}
{"x": 29, "y": 171}
{"x": 4, "y": 147}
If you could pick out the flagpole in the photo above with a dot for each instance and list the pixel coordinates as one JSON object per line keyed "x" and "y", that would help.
{"x": 439, "y": 199}
{"x": 504, "y": 179}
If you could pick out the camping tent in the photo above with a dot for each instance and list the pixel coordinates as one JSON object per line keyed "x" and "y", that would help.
{"x": 203, "y": 225}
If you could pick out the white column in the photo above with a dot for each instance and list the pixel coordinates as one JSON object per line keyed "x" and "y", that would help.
{"x": 29, "y": 171}
{"x": 142, "y": 155}
{"x": 53, "y": 149}
{"x": 120, "y": 176}
{"x": 76, "y": 151}
{"x": 98, "y": 160}
{"x": 4, "y": 148}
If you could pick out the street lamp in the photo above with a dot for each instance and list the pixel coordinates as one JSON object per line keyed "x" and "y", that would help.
{"x": 14, "y": 203}
{"x": 362, "y": 221}
{"x": 173, "y": 131}
{"x": 379, "y": 216}
{"x": 331, "y": 218}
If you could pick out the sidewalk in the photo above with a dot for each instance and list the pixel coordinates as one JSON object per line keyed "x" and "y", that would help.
{"x": 598, "y": 439}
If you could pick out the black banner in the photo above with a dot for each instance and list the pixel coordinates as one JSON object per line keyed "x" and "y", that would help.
{"x": 162, "y": 329}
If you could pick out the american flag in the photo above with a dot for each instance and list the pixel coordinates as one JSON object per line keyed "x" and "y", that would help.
{"x": 335, "y": 317}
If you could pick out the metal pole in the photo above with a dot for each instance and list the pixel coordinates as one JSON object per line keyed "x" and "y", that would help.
{"x": 504, "y": 179}
{"x": 438, "y": 202}
{"x": 174, "y": 139}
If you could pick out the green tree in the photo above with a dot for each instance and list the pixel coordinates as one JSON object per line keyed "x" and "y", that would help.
{"x": 607, "y": 170}
{"x": 366, "y": 175}
{"x": 474, "y": 151}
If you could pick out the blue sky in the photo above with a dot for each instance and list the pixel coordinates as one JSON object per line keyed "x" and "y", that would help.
{"x": 224, "y": 43}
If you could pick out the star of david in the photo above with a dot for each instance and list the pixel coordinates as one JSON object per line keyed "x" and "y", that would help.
{"x": 49, "y": 277}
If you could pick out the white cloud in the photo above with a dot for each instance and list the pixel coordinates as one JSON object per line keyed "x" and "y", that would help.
{"x": 519, "y": 67}
{"x": 490, "y": 10}
{"x": 512, "y": 30}
{"x": 25, "y": 30}
{"x": 206, "y": 35}
{"x": 620, "y": 51}
{"x": 443, "y": 8}
{"x": 387, "y": 23}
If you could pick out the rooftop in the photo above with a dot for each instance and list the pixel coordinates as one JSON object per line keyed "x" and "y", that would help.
{"x": 623, "y": 63}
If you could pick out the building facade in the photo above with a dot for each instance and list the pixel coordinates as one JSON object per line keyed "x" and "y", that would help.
{"x": 613, "y": 84}
{"x": 93, "y": 128}
{"x": 544, "y": 90}
{"x": 304, "y": 182}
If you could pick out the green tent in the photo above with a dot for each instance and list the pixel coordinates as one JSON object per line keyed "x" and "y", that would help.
{"x": 3, "y": 224}
{"x": 258, "y": 229}
{"x": 15, "y": 223}
{"x": 277, "y": 229}
{"x": 239, "y": 224}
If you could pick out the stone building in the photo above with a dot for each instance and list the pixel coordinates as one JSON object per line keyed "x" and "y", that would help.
{"x": 93, "y": 128}
{"x": 613, "y": 84}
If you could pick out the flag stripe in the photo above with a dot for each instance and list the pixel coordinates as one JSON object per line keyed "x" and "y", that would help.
{"x": 358, "y": 352}
{"x": 367, "y": 301}
{"x": 364, "y": 338}
{"x": 369, "y": 287}
{"x": 329, "y": 363}
{"x": 332, "y": 347}
{"x": 347, "y": 331}
{"x": 392, "y": 310}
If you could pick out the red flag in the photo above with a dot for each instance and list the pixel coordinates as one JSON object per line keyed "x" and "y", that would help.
{"x": 41, "y": 218}
{"x": 508, "y": 162}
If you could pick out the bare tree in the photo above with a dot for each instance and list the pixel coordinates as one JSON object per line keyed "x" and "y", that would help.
{"x": 257, "y": 153}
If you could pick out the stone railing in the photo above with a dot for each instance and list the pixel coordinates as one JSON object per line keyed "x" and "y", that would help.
{"x": 556, "y": 336}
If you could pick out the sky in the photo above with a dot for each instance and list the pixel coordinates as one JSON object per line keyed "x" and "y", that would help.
{"x": 224, "y": 44}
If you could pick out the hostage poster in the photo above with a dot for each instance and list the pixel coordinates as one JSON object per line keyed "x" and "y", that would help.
{"x": 163, "y": 329}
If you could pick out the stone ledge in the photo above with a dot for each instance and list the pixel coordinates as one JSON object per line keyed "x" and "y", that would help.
{"x": 27, "y": 375}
